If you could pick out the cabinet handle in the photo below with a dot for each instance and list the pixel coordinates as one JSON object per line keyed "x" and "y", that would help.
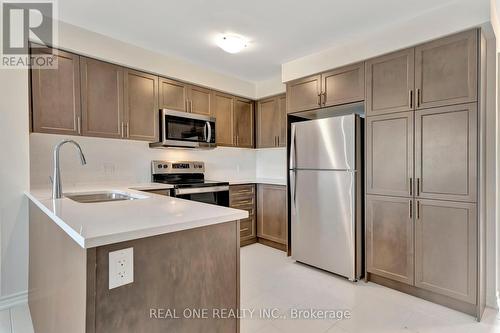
{"x": 191, "y": 106}
{"x": 324, "y": 98}
{"x": 79, "y": 125}
{"x": 418, "y": 210}
{"x": 128, "y": 130}
{"x": 418, "y": 187}
{"x": 411, "y": 99}
{"x": 411, "y": 186}
{"x": 418, "y": 98}
{"x": 278, "y": 141}
{"x": 319, "y": 99}
{"x": 123, "y": 129}
{"x": 411, "y": 208}
{"x": 186, "y": 105}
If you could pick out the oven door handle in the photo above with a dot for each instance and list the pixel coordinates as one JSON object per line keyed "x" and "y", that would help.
{"x": 196, "y": 190}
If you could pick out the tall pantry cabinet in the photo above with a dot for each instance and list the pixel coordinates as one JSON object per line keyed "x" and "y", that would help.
{"x": 422, "y": 220}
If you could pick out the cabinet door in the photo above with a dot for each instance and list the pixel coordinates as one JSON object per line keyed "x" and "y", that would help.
{"x": 446, "y": 153}
{"x": 283, "y": 120}
{"x": 102, "y": 99}
{"x": 344, "y": 85}
{"x": 446, "y": 71}
{"x": 141, "y": 106}
{"x": 199, "y": 100}
{"x": 268, "y": 123}
{"x": 390, "y": 81}
{"x": 446, "y": 248}
{"x": 243, "y": 122}
{"x": 173, "y": 95}
{"x": 389, "y": 154}
{"x": 56, "y": 95}
{"x": 271, "y": 213}
{"x": 222, "y": 108}
{"x": 389, "y": 237}
{"x": 303, "y": 94}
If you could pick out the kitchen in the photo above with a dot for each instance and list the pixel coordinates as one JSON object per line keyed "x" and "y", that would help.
{"x": 125, "y": 110}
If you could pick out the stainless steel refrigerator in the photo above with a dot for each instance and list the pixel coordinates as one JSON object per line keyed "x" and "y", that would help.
{"x": 325, "y": 194}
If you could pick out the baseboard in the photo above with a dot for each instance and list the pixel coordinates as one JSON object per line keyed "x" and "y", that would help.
{"x": 9, "y": 301}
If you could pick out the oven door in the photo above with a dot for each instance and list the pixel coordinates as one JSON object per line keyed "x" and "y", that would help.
{"x": 215, "y": 195}
{"x": 182, "y": 129}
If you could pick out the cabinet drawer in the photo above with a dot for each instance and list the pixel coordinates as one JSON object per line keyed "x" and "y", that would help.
{"x": 249, "y": 208}
{"x": 247, "y": 228}
{"x": 242, "y": 190}
{"x": 242, "y": 202}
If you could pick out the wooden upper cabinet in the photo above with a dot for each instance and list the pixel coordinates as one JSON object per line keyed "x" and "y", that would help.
{"x": 56, "y": 95}
{"x": 446, "y": 153}
{"x": 269, "y": 121}
{"x": 343, "y": 85}
{"x": 173, "y": 95}
{"x": 199, "y": 100}
{"x": 222, "y": 109}
{"x": 272, "y": 213}
{"x": 390, "y": 83}
{"x": 303, "y": 94}
{"x": 446, "y": 248}
{"x": 102, "y": 98}
{"x": 141, "y": 106}
{"x": 446, "y": 70}
{"x": 243, "y": 122}
{"x": 389, "y": 154}
{"x": 389, "y": 237}
{"x": 283, "y": 121}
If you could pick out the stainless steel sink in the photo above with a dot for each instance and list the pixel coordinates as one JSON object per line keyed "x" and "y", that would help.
{"x": 106, "y": 196}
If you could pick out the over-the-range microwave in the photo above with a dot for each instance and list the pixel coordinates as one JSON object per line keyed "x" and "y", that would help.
{"x": 185, "y": 130}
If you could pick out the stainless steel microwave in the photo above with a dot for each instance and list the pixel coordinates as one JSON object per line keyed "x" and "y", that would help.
{"x": 185, "y": 130}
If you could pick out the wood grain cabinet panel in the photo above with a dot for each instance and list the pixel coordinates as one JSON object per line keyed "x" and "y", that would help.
{"x": 199, "y": 100}
{"x": 446, "y": 70}
{"x": 222, "y": 109}
{"x": 141, "y": 106}
{"x": 390, "y": 82}
{"x": 243, "y": 122}
{"x": 56, "y": 94}
{"x": 446, "y": 248}
{"x": 389, "y": 154}
{"x": 243, "y": 197}
{"x": 173, "y": 95}
{"x": 271, "y": 122}
{"x": 446, "y": 153}
{"x": 303, "y": 94}
{"x": 102, "y": 98}
{"x": 344, "y": 85}
{"x": 272, "y": 213}
{"x": 389, "y": 237}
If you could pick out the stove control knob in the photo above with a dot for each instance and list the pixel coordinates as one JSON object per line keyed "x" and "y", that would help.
{"x": 165, "y": 166}
{"x": 160, "y": 166}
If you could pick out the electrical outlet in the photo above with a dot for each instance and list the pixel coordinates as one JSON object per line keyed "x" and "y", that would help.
{"x": 121, "y": 267}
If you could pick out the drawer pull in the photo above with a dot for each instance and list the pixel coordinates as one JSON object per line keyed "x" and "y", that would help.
{"x": 244, "y": 229}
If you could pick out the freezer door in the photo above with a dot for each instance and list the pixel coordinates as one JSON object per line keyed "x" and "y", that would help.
{"x": 323, "y": 222}
{"x": 327, "y": 144}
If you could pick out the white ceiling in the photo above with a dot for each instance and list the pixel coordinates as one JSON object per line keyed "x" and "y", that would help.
{"x": 279, "y": 30}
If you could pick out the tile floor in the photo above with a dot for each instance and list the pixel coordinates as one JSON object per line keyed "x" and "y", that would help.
{"x": 270, "y": 280}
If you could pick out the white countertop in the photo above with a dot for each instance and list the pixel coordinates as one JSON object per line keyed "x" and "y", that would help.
{"x": 271, "y": 181}
{"x": 97, "y": 224}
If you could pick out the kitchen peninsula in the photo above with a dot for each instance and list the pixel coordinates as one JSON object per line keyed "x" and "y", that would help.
{"x": 185, "y": 256}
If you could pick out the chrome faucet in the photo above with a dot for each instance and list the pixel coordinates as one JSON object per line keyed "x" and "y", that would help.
{"x": 56, "y": 179}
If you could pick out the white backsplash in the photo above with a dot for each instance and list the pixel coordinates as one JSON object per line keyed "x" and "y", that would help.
{"x": 271, "y": 163}
{"x": 111, "y": 160}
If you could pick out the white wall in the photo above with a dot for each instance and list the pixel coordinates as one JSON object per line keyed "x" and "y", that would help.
{"x": 111, "y": 160}
{"x": 269, "y": 87}
{"x": 451, "y": 17}
{"x": 14, "y": 180}
{"x": 271, "y": 163}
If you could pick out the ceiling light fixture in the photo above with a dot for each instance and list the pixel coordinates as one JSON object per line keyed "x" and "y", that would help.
{"x": 231, "y": 43}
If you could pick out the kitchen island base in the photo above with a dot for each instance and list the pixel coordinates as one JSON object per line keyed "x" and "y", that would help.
{"x": 185, "y": 281}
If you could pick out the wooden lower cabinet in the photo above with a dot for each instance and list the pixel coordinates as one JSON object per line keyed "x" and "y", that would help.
{"x": 243, "y": 197}
{"x": 389, "y": 237}
{"x": 446, "y": 248}
{"x": 272, "y": 224}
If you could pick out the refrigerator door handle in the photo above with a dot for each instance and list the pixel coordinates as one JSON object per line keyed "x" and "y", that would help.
{"x": 293, "y": 152}
{"x": 293, "y": 189}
